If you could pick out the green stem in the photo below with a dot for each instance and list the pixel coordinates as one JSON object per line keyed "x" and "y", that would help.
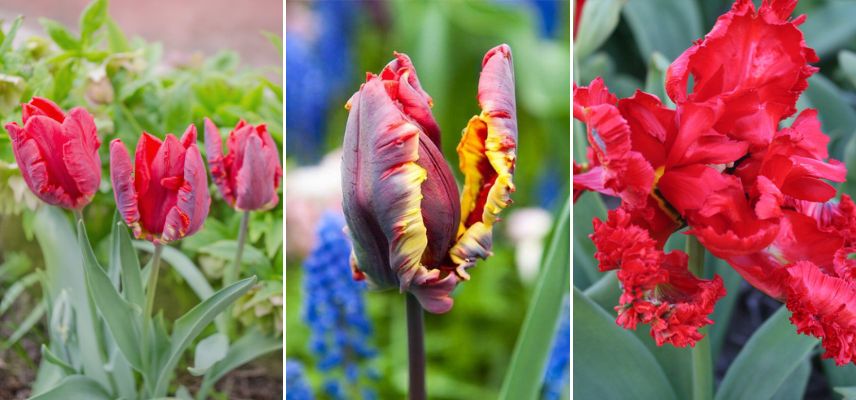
{"x": 231, "y": 275}
{"x": 153, "y": 280}
{"x": 415, "y": 349}
{"x": 701, "y": 357}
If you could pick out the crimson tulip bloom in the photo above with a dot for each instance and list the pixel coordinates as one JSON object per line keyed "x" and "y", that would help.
{"x": 407, "y": 225}
{"x": 57, "y": 153}
{"x": 754, "y": 194}
{"x": 164, "y": 196}
{"x": 250, "y": 173}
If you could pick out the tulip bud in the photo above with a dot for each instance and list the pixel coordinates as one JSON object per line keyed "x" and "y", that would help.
{"x": 408, "y": 227}
{"x": 57, "y": 153}
{"x": 249, "y": 174}
{"x": 164, "y": 196}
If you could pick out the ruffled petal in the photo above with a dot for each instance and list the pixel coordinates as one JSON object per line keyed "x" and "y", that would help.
{"x": 44, "y": 107}
{"x": 625, "y": 171}
{"x": 124, "y": 190}
{"x": 414, "y": 101}
{"x": 216, "y": 161}
{"x": 193, "y": 200}
{"x": 824, "y": 306}
{"x": 657, "y": 288}
{"x": 255, "y": 191}
{"x": 80, "y": 153}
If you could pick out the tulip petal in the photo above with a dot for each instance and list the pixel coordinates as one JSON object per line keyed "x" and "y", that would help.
{"x": 216, "y": 161}
{"x": 44, "y": 107}
{"x": 253, "y": 182}
{"x": 124, "y": 190}
{"x": 488, "y": 152}
{"x": 382, "y": 181}
{"x": 193, "y": 200}
{"x": 415, "y": 102}
{"x": 80, "y": 152}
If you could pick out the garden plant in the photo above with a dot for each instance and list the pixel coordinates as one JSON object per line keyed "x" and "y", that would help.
{"x": 724, "y": 174}
{"x": 136, "y": 279}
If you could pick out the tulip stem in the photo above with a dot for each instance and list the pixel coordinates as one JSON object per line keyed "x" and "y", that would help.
{"x": 416, "y": 348}
{"x": 152, "y": 286}
{"x": 232, "y": 274}
{"x": 701, "y": 357}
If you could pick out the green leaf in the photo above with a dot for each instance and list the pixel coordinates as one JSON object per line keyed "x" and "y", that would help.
{"x": 528, "y": 362}
{"x": 52, "y": 358}
{"x": 190, "y": 325}
{"x": 655, "y": 80}
{"x": 74, "y": 387}
{"x": 15, "y": 290}
{"x": 770, "y": 356}
{"x": 843, "y": 376}
{"x": 93, "y": 17}
{"x": 599, "y": 19}
{"x": 724, "y": 308}
{"x": 60, "y": 35}
{"x": 830, "y": 27}
{"x": 65, "y": 274}
{"x": 124, "y": 255}
{"x": 838, "y": 119}
{"x": 9, "y": 37}
{"x": 848, "y": 393}
{"x": 225, "y": 249}
{"x": 209, "y": 351}
{"x": 587, "y": 207}
{"x": 117, "y": 42}
{"x": 34, "y": 316}
{"x": 184, "y": 266}
{"x": 252, "y": 345}
{"x": 604, "y": 349}
{"x": 664, "y": 26}
{"x": 794, "y": 386}
{"x": 123, "y": 319}
{"x": 847, "y": 62}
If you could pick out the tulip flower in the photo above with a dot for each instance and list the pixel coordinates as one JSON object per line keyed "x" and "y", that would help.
{"x": 164, "y": 196}
{"x": 57, "y": 153}
{"x": 250, "y": 173}
{"x": 751, "y": 192}
{"x": 407, "y": 224}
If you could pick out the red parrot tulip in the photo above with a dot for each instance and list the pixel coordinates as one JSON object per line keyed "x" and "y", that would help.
{"x": 163, "y": 196}
{"x": 57, "y": 153}
{"x": 407, "y": 225}
{"x": 250, "y": 173}
{"x": 753, "y": 193}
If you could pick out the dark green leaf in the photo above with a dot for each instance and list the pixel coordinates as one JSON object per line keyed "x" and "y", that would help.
{"x": 122, "y": 318}
{"x": 524, "y": 374}
{"x": 74, "y": 387}
{"x": 665, "y": 26}
{"x": 794, "y": 386}
{"x": 770, "y": 356}
{"x": 830, "y": 27}
{"x": 603, "y": 349}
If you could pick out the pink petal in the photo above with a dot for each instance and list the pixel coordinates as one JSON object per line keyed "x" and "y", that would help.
{"x": 124, "y": 191}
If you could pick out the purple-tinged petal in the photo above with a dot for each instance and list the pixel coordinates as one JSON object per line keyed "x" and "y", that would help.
{"x": 193, "y": 200}
{"x": 80, "y": 153}
{"x": 124, "y": 191}
{"x": 255, "y": 191}
{"x": 216, "y": 161}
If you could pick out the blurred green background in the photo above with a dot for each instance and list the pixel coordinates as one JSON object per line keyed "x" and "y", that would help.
{"x": 469, "y": 348}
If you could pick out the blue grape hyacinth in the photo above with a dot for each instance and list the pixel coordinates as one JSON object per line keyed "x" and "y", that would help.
{"x": 296, "y": 387}
{"x": 334, "y": 310}
{"x": 558, "y": 371}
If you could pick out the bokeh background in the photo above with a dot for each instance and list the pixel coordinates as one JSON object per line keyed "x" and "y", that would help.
{"x": 345, "y": 342}
{"x": 647, "y": 36}
{"x": 155, "y": 66}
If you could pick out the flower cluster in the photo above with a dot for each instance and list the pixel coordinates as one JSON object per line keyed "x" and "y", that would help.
{"x": 754, "y": 194}
{"x": 296, "y": 386}
{"x": 334, "y": 308}
{"x": 163, "y": 196}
